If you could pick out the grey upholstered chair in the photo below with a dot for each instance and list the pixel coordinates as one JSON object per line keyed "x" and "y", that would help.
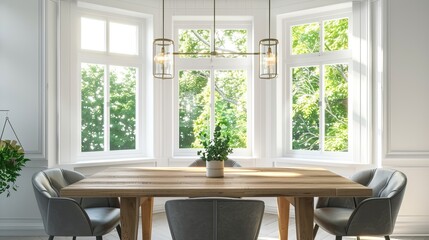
{"x": 73, "y": 217}
{"x": 214, "y": 218}
{"x": 202, "y": 163}
{"x": 373, "y": 216}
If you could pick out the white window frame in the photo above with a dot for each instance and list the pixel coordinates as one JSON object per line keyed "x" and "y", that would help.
{"x": 212, "y": 64}
{"x": 70, "y": 95}
{"x": 359, "y": 88}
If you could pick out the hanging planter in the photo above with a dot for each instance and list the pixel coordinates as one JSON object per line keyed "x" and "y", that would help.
{"x": 12, "y": 159}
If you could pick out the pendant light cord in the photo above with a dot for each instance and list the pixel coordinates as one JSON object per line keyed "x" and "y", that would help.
{"x": 214, "y": 26}
{"x": 163, "y": 27}
{"x": 269, "y": 19}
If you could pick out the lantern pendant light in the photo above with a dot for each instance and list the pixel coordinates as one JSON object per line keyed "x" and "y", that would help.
{"x": 268, "y": 53}
{"x": 163, "y": 51}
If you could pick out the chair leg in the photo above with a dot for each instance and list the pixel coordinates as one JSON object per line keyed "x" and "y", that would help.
{"x": 74, "y": 237}
{"x": 338, "y": 237}
{"x": 119, "y": 230}
{"x": 387, "y": 237}
{"x": 51, "y": 237}
{"x": 357, "y": 237}
{"x": 99, "y": 237}
{"x": 316, "y": 227}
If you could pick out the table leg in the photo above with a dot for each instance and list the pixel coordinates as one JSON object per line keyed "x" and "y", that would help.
{"x": 129, "y": 217}
{"x": 283, "y": 206}
{"x": 304, "y": 214}
{"x": 146, "y": 212}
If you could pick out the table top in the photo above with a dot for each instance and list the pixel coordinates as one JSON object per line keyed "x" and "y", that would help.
{"x": 192, "y": 182}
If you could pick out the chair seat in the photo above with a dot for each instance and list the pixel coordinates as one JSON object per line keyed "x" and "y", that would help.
{"x": 333, "y": 220}
{"x": 103, "y": 219}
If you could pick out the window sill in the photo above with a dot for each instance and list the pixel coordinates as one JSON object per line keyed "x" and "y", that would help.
{"x": 112, "y": 162}
{"x": 186, "y": 160}
{"x": 318, "y": 162}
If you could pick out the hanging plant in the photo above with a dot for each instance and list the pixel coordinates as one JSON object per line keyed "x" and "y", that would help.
{"x": 12, "y": 160}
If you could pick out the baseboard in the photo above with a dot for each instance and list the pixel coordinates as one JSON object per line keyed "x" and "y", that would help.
{"x": 21, "y": 227}
{"x": 411, "y": 226}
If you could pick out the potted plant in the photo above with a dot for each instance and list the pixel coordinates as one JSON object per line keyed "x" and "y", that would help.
{"x": 12, "y": 160}
{"x": 215, "y": 152}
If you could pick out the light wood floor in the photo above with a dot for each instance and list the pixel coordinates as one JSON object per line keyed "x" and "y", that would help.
{"x": 269, "y": 231}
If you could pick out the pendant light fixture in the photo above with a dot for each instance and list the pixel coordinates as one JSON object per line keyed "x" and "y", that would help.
{"x": 163, "y": 50}
{"x": 268, "y": 53}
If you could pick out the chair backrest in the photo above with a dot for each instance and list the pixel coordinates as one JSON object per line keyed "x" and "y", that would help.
{"x": 48, "y": 184}
{"x": 214, "y": 219}
{"x": 202, "y": 163}
{"x": 385, "y": 183}
{"x": 388, "y": 183}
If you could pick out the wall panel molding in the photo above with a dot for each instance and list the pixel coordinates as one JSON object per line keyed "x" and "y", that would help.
{"x": 407, "y": 138}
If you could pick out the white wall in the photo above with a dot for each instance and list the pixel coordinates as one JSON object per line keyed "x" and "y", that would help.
{"x": 22, "y": 92}
{"x": 404, "y": 146}
{"x": 406, "y": 128}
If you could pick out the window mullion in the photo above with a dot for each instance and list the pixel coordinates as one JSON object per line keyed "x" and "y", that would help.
{"x": 322, "y": 38}
{"x": 322, "y": 106}
{"x": 322, "y": 103}
{"x": 107, "y": 109}
{"x": 212, "y": 101}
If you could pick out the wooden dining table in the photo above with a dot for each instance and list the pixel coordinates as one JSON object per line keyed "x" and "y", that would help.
{"x": 137, "y": 186}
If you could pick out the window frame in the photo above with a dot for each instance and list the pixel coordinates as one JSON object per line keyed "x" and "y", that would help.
{"x": 245, "y": 63}
{"x": 108, "y": 59}
{"x": 359, "y": 88}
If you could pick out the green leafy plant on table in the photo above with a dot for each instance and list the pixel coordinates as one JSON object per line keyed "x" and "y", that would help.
{"x": 216, "y": 149}
{"x": 12, "y": 159}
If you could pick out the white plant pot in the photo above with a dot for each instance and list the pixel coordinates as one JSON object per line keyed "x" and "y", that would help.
{"x": 214, "y": 169}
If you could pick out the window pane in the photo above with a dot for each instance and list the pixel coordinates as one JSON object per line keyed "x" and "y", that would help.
{"x": 231, "y": 105}
{"x": 336, "y": 34}
{"x": 123, "y": 38}
{"x": 194, "y": 107}
{"x": 193, "y": 40}
{"x": 92, "y": 93}
{"x": 231, "y": 41}
{"x": 93, "y": 34}
{"x": 305, "y": 38}
{"x": 123, "y": 107}
{"x": 305, "y": 108}
{"x": 336, "y": 110}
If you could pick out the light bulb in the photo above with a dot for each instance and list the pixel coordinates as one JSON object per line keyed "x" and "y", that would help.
{"x": 162, "y": 57}
{"x": 270, "y": 59}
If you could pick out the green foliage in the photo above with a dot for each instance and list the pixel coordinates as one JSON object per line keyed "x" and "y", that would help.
{"x": 193, "y": 93}
{"x": 123, "y": 108}
{"x": 216, "y": 149}
{"x": 305, "y": 38}
{"x": 92, "y": 107}
{"x": 12, "y": 160}
{"x": 122, "y": 92}
{"x": 230, "y": 105}
{"x": 306, "y": 95}
{"x": 336, "y": 107}
{"x": 305, "y": 108}
{"x": 336, "y": 34}
{"x": 195, "y": 90}
{"x": 195, "y": 41}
